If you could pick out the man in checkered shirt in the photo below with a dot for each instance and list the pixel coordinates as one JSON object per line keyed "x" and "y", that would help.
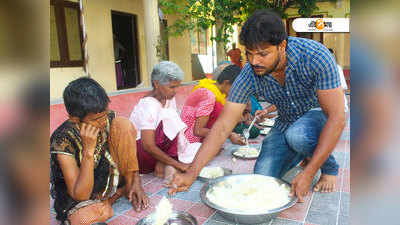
{"x": 300, "y": 78}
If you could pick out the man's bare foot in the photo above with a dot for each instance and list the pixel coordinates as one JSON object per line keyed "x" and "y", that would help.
{"x": 326, "y": 183}
{"x": 169, "y": 174}
{"x": 159, "y": 170}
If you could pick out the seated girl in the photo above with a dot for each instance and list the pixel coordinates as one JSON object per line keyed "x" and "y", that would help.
{"x": 93, "y": 158}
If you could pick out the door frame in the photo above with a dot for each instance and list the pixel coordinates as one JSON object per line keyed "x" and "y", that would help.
{"x": 134, "y": 38}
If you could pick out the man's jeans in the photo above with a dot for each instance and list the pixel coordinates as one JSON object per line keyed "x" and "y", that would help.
{"x": 282, "y": 151}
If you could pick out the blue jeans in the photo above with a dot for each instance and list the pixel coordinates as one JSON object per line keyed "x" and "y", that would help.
{"x": 280, "y": 152}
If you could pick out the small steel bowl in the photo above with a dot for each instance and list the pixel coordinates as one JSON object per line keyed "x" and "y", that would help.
{"x": 205, "y": 179}
{"x": 239, "y": 216}
{"x": 177, "y": 218}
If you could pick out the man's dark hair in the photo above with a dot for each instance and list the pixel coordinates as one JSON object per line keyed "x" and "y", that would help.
{"x": 264, "y": 26}
{"x": 229, "y": 73}
{"x": 84, "y": 95}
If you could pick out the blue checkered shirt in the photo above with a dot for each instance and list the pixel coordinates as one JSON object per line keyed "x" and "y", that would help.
{"x": 310, "y": 67}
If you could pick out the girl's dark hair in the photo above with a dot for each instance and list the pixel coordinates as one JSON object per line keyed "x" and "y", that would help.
{"x": 84, "y": 95}
{"x": 229, "y": 73}
{"x": 264, "y": 26}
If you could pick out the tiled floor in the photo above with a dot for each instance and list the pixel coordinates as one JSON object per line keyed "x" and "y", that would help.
{"x": 318, "y": 208}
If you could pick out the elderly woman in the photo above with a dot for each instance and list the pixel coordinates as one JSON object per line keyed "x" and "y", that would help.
{"x": 203, "y": 107}
{"x": 158, "y": 123}
{"x": 93, "y": 158}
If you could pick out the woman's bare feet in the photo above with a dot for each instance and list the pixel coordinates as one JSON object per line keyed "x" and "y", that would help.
{"x": 159, "y": 170}
{"x": 326, "y": 183}
{"x": 169, "y": 174}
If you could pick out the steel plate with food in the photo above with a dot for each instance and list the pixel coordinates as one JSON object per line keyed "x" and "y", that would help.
{"x": 267, "y": 123}
{"x": 212, "y": 172}
{"x": 246, "y": 152}
{"x": 248, "y": 198}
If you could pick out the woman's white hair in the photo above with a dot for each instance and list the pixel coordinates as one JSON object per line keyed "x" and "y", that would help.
{"x": 165, "y": 72}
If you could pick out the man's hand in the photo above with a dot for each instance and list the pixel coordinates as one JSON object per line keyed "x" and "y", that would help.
{"x": 301, "y": 184}
{"x": 262, "y": 115}
{"x": 89, "y": 138}
{"x": 237, "y": 139}
{"x": 181, "y": 182}
{"x": 138, "y": 198}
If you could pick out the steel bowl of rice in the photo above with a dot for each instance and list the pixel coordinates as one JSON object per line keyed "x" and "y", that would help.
{"x": 248, "y": 198}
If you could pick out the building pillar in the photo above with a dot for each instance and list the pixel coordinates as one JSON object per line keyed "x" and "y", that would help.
{"x": 152, "y": 33}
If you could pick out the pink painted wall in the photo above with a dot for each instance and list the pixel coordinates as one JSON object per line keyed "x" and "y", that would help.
{"x": 122, "y": 104}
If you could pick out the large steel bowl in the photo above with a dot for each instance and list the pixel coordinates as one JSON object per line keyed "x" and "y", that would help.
{"x": 177, "y": 218}
{"x": 239, "y": 216}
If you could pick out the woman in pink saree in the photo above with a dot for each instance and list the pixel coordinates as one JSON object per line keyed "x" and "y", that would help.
{"x": 203, "y": 107}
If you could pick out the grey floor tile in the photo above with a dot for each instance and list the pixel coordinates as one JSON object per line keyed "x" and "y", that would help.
{"x": 340, "y": 158}
{"x": 219, "y": 218}
{"x": 345, "y": 135}
{"x": 213, "y": 222}
{"x": 163, "y": 192}
{"x": 344, "y": 220}
{"x": 193, "y": 196}
{"x": 152, "y": 194}
{"x": 321, "y": 217}
{"x": 324, "y": 208}
{"x": 345, "y": 204}
{"x": 347, "y": 161}
{"x": 279, "y": 221}
{"x": 121, "y": 205}
{"x": 323, "y": 200}
{"x": 197, "y": 185}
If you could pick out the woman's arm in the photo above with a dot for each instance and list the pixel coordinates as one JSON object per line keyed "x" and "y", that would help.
{"x": 201, "y": 130}
{"x": 149, "y": 145}
{"x": 200, "y": 126}
{"x": 80, "y": 181}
